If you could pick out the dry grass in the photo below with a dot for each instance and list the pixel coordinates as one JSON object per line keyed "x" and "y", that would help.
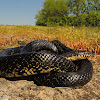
{"x": 83, "y": 38}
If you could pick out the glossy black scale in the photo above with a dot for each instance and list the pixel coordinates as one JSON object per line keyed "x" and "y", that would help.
{"x": 56, "y": 70}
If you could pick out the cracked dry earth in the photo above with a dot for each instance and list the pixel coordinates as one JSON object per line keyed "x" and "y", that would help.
{"x": 27, "y": 90}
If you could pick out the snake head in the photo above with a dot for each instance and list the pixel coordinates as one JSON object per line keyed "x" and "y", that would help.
{"x": 84, "y": 53}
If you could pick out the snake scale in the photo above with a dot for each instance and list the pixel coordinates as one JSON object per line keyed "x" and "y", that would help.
{"x": 46, "y": 63}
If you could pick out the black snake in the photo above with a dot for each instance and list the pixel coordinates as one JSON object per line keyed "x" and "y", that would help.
{"x": 46, "y": 64}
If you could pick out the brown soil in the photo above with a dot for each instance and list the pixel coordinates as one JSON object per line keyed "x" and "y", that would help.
{"x": 27, "y": 90}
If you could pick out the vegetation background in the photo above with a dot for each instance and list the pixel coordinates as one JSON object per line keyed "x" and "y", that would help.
{"x": 69, "y": 13}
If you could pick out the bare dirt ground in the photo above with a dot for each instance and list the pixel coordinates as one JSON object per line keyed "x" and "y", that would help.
{"x": 27, "y": 90}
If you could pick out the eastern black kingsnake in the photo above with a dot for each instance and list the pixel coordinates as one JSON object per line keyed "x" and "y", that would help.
{"x": 45, "y": 62}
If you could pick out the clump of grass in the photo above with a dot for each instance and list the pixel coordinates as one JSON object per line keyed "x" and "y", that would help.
{"x": 98, "y": 58}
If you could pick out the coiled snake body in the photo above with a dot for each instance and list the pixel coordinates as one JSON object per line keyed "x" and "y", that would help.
{"x": 46, "y": 64}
